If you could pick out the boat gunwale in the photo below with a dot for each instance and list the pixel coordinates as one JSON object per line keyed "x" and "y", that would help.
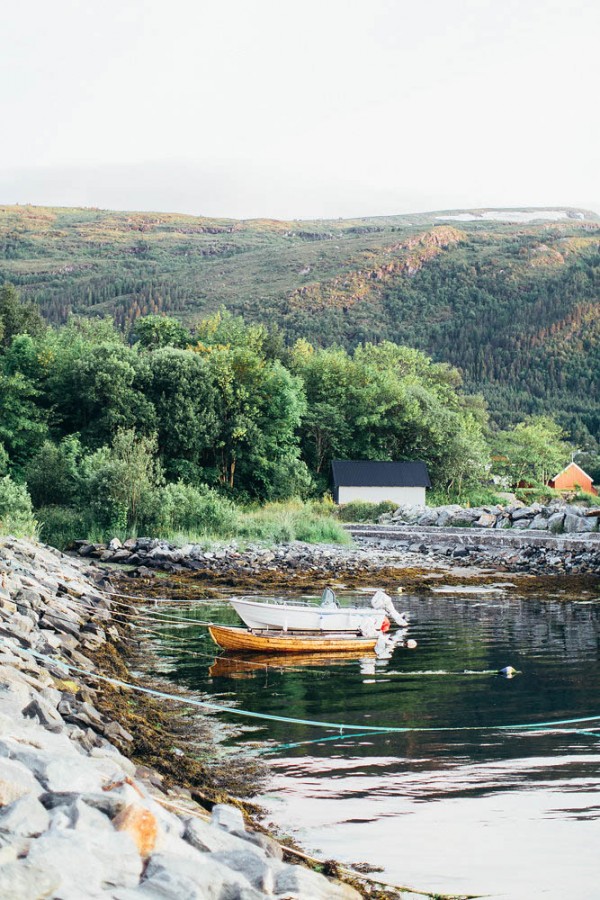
{"x": 293, "y": 642}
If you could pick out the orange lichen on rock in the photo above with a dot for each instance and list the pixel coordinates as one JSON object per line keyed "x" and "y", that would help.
{"x": 141, "y": 824}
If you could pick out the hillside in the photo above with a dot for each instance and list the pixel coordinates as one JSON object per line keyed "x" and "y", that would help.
{"x": 510, "y": 297}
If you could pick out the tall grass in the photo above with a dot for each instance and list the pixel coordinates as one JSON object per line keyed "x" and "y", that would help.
{"x": 274, "y": 523}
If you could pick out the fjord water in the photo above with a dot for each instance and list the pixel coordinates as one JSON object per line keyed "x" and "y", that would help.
{"x": 465, "y": 807}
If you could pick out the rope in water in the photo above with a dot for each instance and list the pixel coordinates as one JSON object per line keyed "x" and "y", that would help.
{"x": 338, "y": 726}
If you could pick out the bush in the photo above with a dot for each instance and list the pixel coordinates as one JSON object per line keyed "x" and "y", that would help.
{"x": 477, "y": 496}
{"x": 537, "y": 493}
{"x": 199, "y": 510}
{"x": 16, "y": 511}
{"x": 364, "y": 511}
{"x": 61, "y": 525}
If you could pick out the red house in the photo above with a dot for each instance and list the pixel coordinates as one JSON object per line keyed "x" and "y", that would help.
{"x": 571, "y": 478}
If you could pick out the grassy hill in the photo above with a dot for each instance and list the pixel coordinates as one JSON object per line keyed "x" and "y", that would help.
{"x": 510, "y": 297}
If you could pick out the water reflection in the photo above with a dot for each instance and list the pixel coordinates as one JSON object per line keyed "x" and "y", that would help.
{"x": 470, "y": 809}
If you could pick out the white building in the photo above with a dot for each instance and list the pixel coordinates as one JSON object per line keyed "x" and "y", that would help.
{"x": 373, "y": 481}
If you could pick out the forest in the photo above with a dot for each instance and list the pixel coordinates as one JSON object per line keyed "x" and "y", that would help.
{"x": 513, "y": 306}
{"x": 161, "y": 429}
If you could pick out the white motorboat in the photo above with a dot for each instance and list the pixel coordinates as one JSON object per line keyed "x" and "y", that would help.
{"x": 328, "y": 616}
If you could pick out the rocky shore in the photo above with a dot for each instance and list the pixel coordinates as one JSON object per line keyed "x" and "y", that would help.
{"x": 396, "y": 550}
{"x": 79, "y": 817}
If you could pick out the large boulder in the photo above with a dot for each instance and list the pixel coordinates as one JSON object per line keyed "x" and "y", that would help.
{"x": 577, "y": 524}
{"x": 556, "y": 522}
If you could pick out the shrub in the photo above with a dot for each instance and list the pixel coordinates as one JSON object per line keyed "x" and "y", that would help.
{"x": 16, "y": 511}
{"x": 61, "y": 525}
{"x": 364, "y": 511}
{"x": 199, "y": 510}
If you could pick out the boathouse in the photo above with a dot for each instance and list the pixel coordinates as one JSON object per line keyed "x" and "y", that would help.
{"x": 374, "y": 481}
{"x": 571, "y": 478}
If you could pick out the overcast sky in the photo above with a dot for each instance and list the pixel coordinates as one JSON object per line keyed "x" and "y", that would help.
{"x": 300, "y": 108}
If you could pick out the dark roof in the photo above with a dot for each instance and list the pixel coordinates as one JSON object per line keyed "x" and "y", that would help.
{"x": 370, "y": 473}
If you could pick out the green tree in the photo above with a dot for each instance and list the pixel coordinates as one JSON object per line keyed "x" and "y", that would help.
{"x": 533, "y": 451}
{"x": 17, "y": 317}
{"x": 154, "y": 332}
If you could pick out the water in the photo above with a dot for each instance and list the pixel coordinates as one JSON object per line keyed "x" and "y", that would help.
{"x": 509, "y": 814}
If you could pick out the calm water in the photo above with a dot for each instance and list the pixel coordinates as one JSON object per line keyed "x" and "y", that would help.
{"x": 511, "y": 815}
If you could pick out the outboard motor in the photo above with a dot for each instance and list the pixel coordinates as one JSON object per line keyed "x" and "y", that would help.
{"x": 328, "y": 598}
{"x": 381, "y": 600}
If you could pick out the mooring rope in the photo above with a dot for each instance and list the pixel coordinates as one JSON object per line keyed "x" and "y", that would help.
{"x": 270, "y": 717}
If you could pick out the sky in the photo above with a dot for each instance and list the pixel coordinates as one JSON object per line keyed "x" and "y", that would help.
{"x": 300, "y": 108}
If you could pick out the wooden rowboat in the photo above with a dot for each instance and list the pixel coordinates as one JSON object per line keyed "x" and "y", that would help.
{"x": 278, "y": 642}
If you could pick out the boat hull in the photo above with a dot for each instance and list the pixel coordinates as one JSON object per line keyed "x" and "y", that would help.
{"x": 289, "y": 617}
{"x": 272, "y": 642}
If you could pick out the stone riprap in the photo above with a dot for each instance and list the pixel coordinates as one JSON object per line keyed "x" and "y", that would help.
{"x": 77, "y": 817}
{"x": 556, "y": 518}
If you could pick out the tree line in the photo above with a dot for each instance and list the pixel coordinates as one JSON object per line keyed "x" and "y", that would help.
{"x": 161, "y": 428}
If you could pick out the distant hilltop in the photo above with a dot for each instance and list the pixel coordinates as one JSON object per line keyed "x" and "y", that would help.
{"x": 509, "y": 296}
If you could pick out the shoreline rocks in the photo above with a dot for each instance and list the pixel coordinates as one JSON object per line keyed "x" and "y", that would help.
{"x": 556, "y": 518}
{"x": 391, "y": 546}
{"x": 78, "y": 818}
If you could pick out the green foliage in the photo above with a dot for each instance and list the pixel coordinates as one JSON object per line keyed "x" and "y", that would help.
{"x": 198, "y": 510}
{"x": 153, "y": 332}
{"x": 388, "y": 402}
{"x": 3, "y": 461}
{"x": 17, "y": 317}
{"x": 533, "y": 451}
{"x": 61, "y": 525}
{"x": 363, "y": 511}
{"x": 122, "y": 483}
{"x": 280, "y": 522}
{"x": 55, "y": 475}
{"x": 22, "y": 423}
{"x": 537, "y": 493}
{"x": 16, "y": 511}
{"x": 473, "y": 496}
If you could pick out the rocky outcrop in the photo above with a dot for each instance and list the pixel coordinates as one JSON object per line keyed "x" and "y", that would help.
{"x": 77, "y": 817}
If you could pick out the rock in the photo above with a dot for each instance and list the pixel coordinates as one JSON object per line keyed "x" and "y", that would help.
{"x": 228, "y": 817}
{"x": 485, "y": 520}
{"x": 296, "y": 881}
{"x": 61, "y": 775}
{"x": 141, "y": 824}
{"x": 115, "y": 544}
{"x": 44, "y": 713}
{"x": 25, "y": 817}
{"x": 539, "y": 523}
{"x": 258, "y": 872}
{"x": 428, "y": 519}
{"x": 555, "y": 522}
{"x": 15, "y": 781}
{"x": 22, "y": 881}
{"x": 267, "y": 844}
{"x": 212, "y": 839}
{"x": 174, "y": 878}
{"x": 90, "y": 860}
{"x": 575, "y": 524}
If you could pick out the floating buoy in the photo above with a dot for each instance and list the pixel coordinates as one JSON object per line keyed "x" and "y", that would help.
{"x": 508, "y": 672}
{"x": 411, "y": 644}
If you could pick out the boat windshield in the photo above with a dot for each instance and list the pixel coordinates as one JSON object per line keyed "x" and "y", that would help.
{"x": 328, "y": 598}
